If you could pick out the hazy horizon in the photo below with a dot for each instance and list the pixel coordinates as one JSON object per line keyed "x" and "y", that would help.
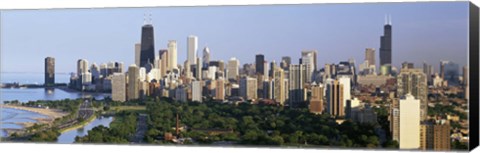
{"x": 423, "y": 31}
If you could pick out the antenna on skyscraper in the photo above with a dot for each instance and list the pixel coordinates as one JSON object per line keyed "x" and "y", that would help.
{"x": 386, "y": 19}
{"x": 144, "y": 18}
{"x": 390, "y": 19}
{"x": 150, "y": 18}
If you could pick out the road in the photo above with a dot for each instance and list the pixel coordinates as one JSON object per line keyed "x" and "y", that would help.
{"x": 141, "y": 129}
{"x": 85, "y": 111}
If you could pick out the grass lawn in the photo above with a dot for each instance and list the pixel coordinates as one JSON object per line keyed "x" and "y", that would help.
{"x": 128, "y": 108}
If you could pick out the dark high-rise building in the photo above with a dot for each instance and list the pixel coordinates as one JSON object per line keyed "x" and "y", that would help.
{"x": 259, "y": 64}
{"x": 49, "y": 71}
{"x": 147, "y": 49}
{"x": 386, "y": 44}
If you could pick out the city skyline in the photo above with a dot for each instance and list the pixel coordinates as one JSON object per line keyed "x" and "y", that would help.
{"x": 221, "y": 51}
{"x": 343, "y": 81}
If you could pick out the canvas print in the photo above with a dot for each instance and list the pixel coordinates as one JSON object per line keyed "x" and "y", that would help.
{"x": 390, "y": 76}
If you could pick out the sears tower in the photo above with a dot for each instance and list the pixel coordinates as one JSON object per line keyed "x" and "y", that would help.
{"x": 386, "y": 43}
{"x": 147, "y": 50}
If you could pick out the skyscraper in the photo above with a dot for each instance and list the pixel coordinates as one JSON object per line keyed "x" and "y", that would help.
{"x": 82, "y": 66}
{"x": 248, "y": 88}
{"x": 314, "y": 54}
{"x": 220, "y": 89}
{"x": 309, "y": 61}
{"x": 394, "y": 119}
{"x": 386, "y": 44}
{"x": 296, "y": 84}
{"x": 428, "y": 70}
{"x": 49, "y": 71}
{"x": 316, "y": 100}
{"x": 409, "y": 122}
{"x": 133, "y": 82}
{"x": 346, "y": 83}
{"x": 232, "y": 69}
{"x": 119, "y": 87}
{"x": 198, "y": 69}
{"x": 285, "y": 63}
{"x": 192, "y": 48}
{"x": 273, "y": 65}
{"x": 172, "y": 55}
{"x": 279, "y": 86}
{"x": 147, "y": 53}
{"x": 259, "y": 64}
{"x": 335, "y": 98}
{"x": 163, "y": 65}
{"x": 370, "y": 56}
{"x": 268, "y": 86}
{"x": 138, "y": 49}
{"x": 197, "y": 91}
{"x": 206, "y": 56}
{"x": 414, "y": 81}
{"x": 449, "y": 71}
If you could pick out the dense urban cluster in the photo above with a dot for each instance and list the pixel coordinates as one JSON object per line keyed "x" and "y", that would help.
{"x": 414, "y": 107}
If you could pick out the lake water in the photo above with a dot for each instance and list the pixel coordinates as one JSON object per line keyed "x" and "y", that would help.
{"x": 32, "y": 78}
{"x": 10, "y": 117}
{"x": 33, "y": 94}
{"x": 69, "y": 136}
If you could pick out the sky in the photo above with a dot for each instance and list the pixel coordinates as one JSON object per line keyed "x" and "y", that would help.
{"x": 422, "y": 31}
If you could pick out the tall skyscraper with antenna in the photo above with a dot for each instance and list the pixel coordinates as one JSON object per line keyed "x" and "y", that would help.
{"x": 147, "y": 53}
{"x": 386, "y": 43}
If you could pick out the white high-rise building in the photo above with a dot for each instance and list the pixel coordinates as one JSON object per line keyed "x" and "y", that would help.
{"x": 142, "y": 74}
{"x": 206, "y": 56}
{"x": 192, "y": 49}
{"x": 409, "y": 123}
{"x": 232, "y": 68}
{"x": 172, "y": 55}
{"x": 153, "y": 74}
{"x": 265, "y": 69}
{"x": 308, "y": 61}
{"x": 211, "y": 72}
{"x": 119, "y": 87}
{"x": 345, "y": 81}
{"x": 82, "y": 66}
{"x": 197, "y": 91}
{"x": 138, "y": 49}
{"x": 86, "y": 78}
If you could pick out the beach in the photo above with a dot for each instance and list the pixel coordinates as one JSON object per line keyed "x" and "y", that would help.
{"x": 47, "y": 117}
{"x": 51, "y": 113}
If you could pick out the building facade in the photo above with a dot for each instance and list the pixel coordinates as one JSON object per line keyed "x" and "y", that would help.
{"x": 49, "y": 71}
{"x": 409, "y": 123}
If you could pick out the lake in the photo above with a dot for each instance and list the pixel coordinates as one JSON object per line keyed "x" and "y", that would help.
{"x": 33, "y": 94}
{"x": 10, "y": 117}
{"x": 69, "y": 136}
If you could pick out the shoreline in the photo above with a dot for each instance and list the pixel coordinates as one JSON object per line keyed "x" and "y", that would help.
{"x": 50, "y": 114}
{"x": 79, "y": 125}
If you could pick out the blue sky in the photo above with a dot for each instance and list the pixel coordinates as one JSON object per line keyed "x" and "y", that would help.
{"x": 431, "y": 32}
